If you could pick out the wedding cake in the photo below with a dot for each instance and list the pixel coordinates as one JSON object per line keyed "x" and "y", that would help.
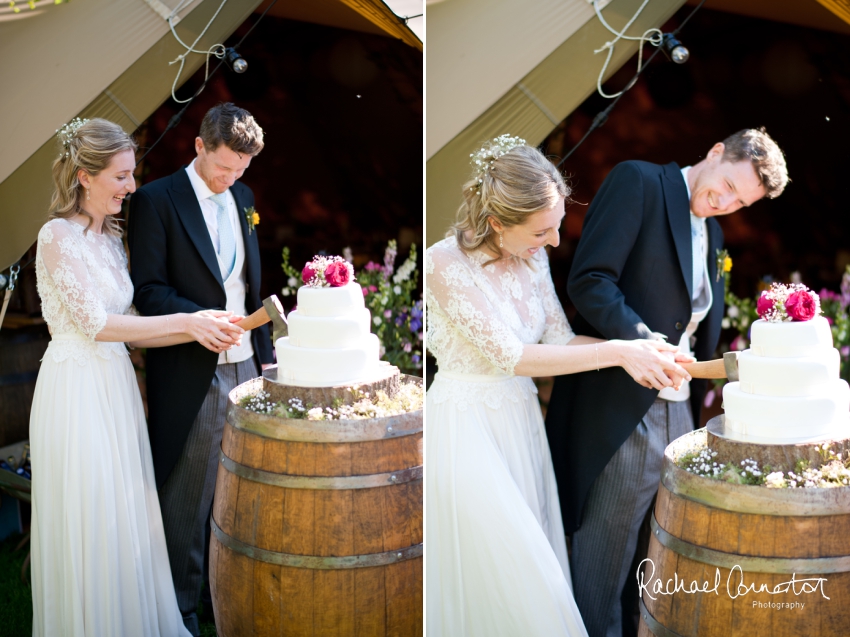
{"x": 789, "y": 388}
{"x": 329, "y": 342}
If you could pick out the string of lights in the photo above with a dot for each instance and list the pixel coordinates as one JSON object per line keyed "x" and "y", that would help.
{"x": 670, "y": 45}
{"x": 232, "y": 59}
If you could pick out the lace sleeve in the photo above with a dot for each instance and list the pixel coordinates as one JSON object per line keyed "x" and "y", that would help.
{"x": 452, "y": 287}
{"x": 557, "y": 330}
{"x": 62, "y": 258}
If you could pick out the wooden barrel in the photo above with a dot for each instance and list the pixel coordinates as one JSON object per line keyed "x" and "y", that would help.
{"x": 727, "y": 560}
{"x": 21, "y": 351}
{"x": 317, "y": 525}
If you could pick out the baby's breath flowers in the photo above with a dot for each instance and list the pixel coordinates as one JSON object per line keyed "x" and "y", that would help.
{"x": 833, "y": 472}
{"x": 409, "y": 397}
{"x": 485, "y": 157}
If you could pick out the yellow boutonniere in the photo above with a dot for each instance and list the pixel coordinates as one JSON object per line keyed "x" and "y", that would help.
{"x": 252, "y": 217}
{"x": 724, "y": 263}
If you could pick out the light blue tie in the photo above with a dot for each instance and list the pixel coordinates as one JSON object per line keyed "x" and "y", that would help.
{"x": 226, "y": 240}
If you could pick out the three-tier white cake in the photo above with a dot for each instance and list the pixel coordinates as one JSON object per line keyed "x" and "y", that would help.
{"x": 789, "y": 389}
{"x": 329, "y": 341}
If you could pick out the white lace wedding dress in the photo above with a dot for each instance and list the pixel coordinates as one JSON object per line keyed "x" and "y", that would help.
{"x": 99, "y": 561}
{"x": 496, "y": 557}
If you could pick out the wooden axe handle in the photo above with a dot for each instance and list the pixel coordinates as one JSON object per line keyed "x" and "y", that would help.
{"x": 260, "y": 317}
{"x": 706, "y": 369}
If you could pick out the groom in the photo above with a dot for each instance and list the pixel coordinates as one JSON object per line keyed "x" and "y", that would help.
{"x": 645, "y": 267}
{"x": 193, "y": 247}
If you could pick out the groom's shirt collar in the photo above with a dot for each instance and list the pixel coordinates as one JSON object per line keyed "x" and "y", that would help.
{"x": 202, "y": 191}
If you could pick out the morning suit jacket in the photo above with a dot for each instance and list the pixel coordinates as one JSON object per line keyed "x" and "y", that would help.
{"x": 631, "y": 278}
{"x": 174, "y": 268}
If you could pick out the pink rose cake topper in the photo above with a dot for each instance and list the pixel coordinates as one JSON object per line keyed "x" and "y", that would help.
{"x": 323, "y": 272}
{"x": 793, "y": 302}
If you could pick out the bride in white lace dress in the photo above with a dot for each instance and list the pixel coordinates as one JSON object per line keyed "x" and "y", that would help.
{"x": 99, "y": 560}
{"x": 496, "y": 558}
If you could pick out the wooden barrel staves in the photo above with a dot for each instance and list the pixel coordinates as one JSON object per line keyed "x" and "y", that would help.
{"x": 728, "y": 559}
{"x": 317, "y": 525}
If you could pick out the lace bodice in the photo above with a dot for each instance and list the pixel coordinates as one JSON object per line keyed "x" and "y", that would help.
{"x": 82, "y": 277}
{"x": 480, "y": 316}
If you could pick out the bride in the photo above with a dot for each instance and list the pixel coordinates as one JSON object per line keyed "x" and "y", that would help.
{"x": 99, "y": 560}
{"x": 496, "y": 558}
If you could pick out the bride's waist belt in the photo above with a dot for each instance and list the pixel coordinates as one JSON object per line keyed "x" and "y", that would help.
{"x": 472, "y": 378}
{"x": 71, "y": 337}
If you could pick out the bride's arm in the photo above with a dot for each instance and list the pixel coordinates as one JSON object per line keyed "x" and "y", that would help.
{"x": 210, "y": 328}
{"x": 645, "y": 361}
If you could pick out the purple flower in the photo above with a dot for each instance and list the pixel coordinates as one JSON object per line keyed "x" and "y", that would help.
{"x": 388, "y": 314}
{"x": 845, "y": 289}
{"x": 407, "y": 347}
{"x": 415, "y": 325}
{"x": 845, "y": 351}
{"x": 415, "y": 359}
{"x": 389, "y": 260}
{"x": 401, "y": 319}
{"x": 372, "y": 266}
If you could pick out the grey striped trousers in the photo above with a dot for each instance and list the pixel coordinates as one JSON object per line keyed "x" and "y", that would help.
{"x": 187, "y": 495}
{"x": 620, "y": 498}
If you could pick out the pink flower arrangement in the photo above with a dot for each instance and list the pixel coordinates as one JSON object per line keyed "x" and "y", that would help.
{"x": 793, "y": 302}
{"x": 324, "y": 272}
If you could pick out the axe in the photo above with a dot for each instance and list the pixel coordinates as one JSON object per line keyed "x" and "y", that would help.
{"x": 272, "y": 311}
{"x": 726, "y": 367}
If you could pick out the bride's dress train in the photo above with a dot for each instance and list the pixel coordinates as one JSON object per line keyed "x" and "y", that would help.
{"x": 100, "y": 565}
{"x": 496, "y": 558}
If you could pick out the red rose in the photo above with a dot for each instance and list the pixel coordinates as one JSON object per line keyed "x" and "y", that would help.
{"x": 337, "y": 275}
{"x": 800, "y": 306}
{"x": 765, "y": 304}
{"x": 307, "y": 273}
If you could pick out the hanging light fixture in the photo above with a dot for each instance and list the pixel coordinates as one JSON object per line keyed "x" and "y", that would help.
{"x": 235, "y": 61}
{"x": 674, "y": 49}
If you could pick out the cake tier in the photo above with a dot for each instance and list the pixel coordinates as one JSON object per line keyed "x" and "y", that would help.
{"x": 330, "y": 301}
{"x": 788, "y": 376}
{"x": 779, "y": 419}
{"x": 790, "y": 339}
{"x": 314, "y": 367}
{"x": 328, "y": 332}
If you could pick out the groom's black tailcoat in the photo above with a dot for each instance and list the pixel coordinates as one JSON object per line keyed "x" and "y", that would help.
{"x": 631, "y": 278}
{"x": 174, "y": 269}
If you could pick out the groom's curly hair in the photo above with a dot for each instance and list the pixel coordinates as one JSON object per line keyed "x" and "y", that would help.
{"x": 756, "y": 146}
{"x": 234, "y": 127}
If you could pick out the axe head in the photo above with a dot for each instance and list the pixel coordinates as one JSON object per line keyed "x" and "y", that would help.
{"x": 280, "y": 327}
{"x": 730, "y": 362}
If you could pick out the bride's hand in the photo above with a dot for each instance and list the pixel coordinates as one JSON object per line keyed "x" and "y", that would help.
{"x": 652, "y": 364}
{"x": 213, "y": 330}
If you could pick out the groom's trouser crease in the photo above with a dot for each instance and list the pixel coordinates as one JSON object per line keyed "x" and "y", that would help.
{"x": 604, "y": 545}
{"x": 187, "y": 495}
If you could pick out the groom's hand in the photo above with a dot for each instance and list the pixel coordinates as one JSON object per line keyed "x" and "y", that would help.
{"x": 213, "y": 330}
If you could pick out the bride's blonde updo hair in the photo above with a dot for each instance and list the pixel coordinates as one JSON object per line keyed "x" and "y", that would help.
{"x": 87, "y": 145}
{"x": 510, "y": 182}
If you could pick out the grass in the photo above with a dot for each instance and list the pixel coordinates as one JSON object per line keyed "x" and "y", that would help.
{"x": 16, "y": 597}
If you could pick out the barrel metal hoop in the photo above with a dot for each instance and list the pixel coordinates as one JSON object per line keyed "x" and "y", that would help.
{"x": 321, "y": 482}
{"x": 658, "y": 629}
{"x": 747, "y": 563}
{"x": 338, "y": 431}
{"x": 314, "y": 561}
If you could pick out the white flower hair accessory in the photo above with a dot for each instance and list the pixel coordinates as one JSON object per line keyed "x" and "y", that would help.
{"x": 67, "y": 132}
{"x": 484, "y": 158}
